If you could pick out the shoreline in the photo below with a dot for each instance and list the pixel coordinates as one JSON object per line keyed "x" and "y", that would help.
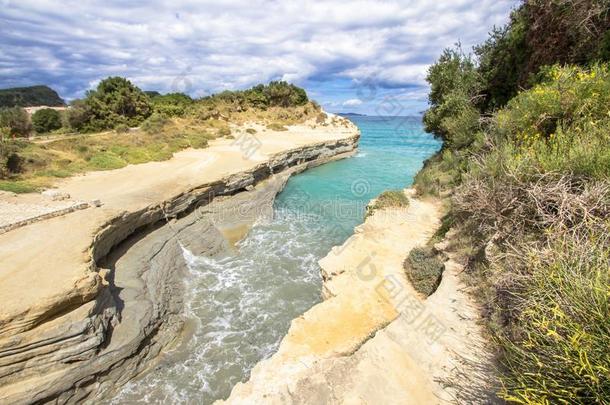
{"x": 374, "y": 339}
{"x": 82, "y": 340}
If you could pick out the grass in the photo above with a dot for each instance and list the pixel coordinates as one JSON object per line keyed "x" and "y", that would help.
{"x": 17, "y": 186}
{"x": 42, "y": 163}
{"x": 558, "y": 349}
{"x": 424, "y": 270}
{"x": 274, "y": 126}
{"x": 388, "y": 199}
{"x": 157, "y": 140}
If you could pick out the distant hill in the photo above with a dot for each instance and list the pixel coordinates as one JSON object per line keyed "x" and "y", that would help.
{"x": 30, "y": 97}
{"x": 352, "y": 114}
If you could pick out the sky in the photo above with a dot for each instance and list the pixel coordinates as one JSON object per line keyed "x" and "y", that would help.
{"x": 366, "y": 57}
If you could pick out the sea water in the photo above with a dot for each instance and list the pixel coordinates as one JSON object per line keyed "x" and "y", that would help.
{"x": 242, "y": 303}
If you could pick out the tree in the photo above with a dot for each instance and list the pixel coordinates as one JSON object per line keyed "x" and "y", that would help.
{"x": 172, "y": 104}
{"x": 454, "y": 89}
{"x": 283, "y": 94}
{"x": 15, "y": 120}
{"x": 46, "y": 120}
{"x": 115, "y": 101}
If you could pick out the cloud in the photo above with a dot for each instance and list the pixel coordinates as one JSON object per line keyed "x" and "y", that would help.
{"x": 208, "y": 46}
{"x": 352, "y": 102}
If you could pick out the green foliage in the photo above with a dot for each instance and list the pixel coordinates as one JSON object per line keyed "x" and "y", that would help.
{"x": 155, "y": 123}
{"x": 502, "y": 59}
{"x": 526, "y": 161}
{"x": 46, "y": 120}
{"x": 15, "y": 122}
{"x": 388, "y": 199}
{"x": 424, "y": 270}
{"x": 558, "y": 350}
{"x": 121, "y": 129}
{"x": 440, "y": 173}
{"x": 454, "y": 86}
{"x": 542, "y": 33}
{"x": 561, "y": 125}
{"x": 171, "y": 105}
{"x": 115, "y": 101}
{"x": 568, "y": 96}
{"x": 274, "y": 94}
{"x": 274, "y": 126}
{"x": 30, "y": 97}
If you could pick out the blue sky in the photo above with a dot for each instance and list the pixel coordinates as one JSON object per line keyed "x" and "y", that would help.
{"x": 360, "y": 56}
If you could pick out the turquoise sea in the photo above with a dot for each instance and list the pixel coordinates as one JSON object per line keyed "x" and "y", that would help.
{"x": 243, "y": 303}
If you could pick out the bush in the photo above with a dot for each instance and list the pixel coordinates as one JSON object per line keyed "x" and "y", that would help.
{"x": 171, "y": 105}
{"x": 46, "y": 120}
{"x": 321, "y": 118}
{"x": 388, "y": 199}
{"x": 454, "y": 86}
{"x": 115, "y": 101}
{"x": 121, "y": 129}
{"x": 276, "y": 127}
{"x": 251, "y": 131}
{"x": 274, "y": 94}
{"x": 224, "y": 131}
{"x": 155, "y": 123}
{"x": 424, "y": 270}
{"x": 10, "y": 162}
{"x": 15, "y": 120}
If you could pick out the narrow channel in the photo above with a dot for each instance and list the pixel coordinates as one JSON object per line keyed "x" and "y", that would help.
{"x": 243, "y": 303}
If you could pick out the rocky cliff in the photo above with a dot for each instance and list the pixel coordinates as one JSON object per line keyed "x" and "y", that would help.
{"x": 374, "y": 339}
{"x": 115, "y": 321}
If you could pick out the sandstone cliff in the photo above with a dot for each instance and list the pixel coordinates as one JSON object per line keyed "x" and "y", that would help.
{"x": 89, "y": 300}
{"x": 375, "y": 340}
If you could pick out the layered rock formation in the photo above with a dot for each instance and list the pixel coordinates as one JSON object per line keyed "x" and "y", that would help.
{"x": 116, "y": 301}
{"x": 375, "y": 340}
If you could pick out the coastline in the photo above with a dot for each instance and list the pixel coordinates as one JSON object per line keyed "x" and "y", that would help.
{"x": 77, "y": 335}
{"x": 374, "y": 338}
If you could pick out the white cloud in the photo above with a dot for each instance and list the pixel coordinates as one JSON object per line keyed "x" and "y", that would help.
{"x": 235, "y": 43}
{"x": 352, "y": 102}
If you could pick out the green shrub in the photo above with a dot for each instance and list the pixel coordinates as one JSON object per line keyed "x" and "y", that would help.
{"x": 569, "y": 96}
{"x": 155, "y": 123}
{"x": 121, "y": 129}
{"x": 274, "y": 94}
{"x": 388, "y": 199}
{"x": 224, "y": 131}
{"x": 46, "y": 120}
{"x": 115, "y": 101}
{"x": 251, "y": 131}
{"x": 16, "y": 121}
{"x": 454, "y": 85}
{"x": 171, "y": 105}
{"x": 274, "y": 126}
{"x": 424, "y": 270}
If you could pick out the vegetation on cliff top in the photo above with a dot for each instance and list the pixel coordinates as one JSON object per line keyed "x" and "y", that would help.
{"x": 388, "y": 199}
{"x": 526, "y": 163}
{"x": 167, "y": 123}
